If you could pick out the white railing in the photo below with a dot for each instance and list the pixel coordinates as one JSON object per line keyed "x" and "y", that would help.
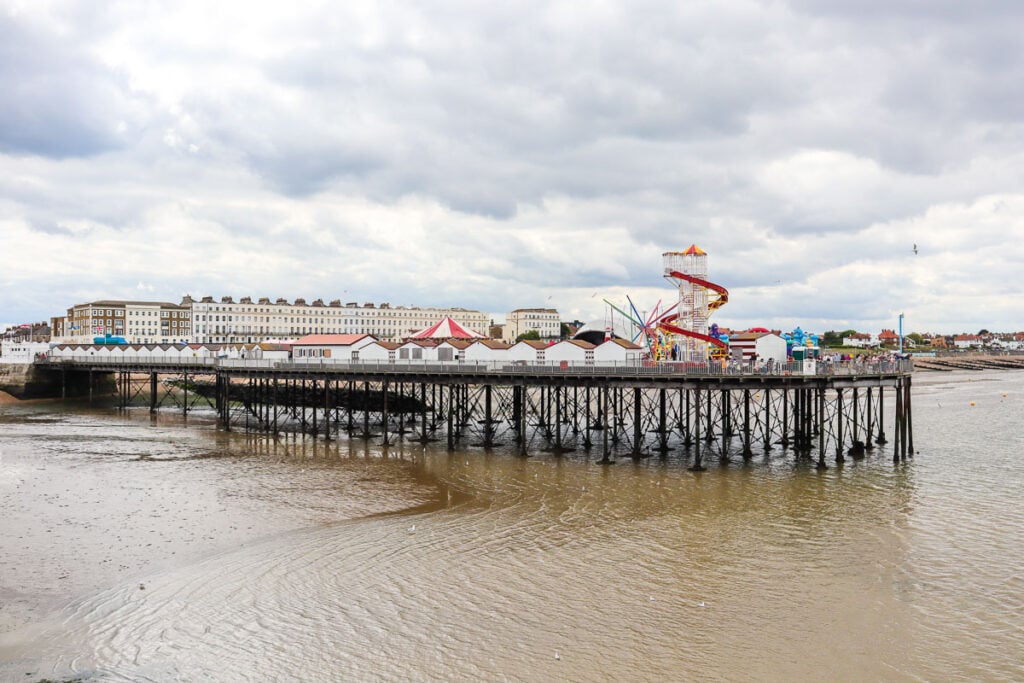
{"x": 629, "y": 368}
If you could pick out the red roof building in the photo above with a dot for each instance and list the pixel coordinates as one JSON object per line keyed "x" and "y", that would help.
{"x": 446, "y": 328}
{"x": 888, "y": 337}
{"x": 334, "y": 346}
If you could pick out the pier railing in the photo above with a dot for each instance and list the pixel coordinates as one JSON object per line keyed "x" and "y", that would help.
{"x": 402, "y": 366}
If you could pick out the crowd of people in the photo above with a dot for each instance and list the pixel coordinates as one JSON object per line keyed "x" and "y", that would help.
{"x": 825, "y": 363}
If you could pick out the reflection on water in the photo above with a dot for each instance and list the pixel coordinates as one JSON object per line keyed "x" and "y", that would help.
{"x": 304, "y": 559}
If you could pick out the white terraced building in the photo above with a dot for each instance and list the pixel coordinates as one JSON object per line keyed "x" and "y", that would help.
{"x": 247, "y": 321}
{"x": 138, "y": 322}
{"x": 546, "y": 322}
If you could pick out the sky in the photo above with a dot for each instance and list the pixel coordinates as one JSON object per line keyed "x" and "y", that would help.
{"x": 527, "y": 154}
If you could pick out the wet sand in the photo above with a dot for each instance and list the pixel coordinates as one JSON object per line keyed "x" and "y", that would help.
{"x": 78, "y": 520}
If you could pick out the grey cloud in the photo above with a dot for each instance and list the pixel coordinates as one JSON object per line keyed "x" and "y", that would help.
{"x": 652, "y": 125}
{"x": 52, "y": 229}
{"x": 461, "y": 111}
{"x": 58, "y": 101}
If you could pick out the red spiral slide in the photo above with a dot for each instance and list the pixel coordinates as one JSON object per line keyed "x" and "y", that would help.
{"x": 723, "y": 293}
{"x": 713, "y": 305}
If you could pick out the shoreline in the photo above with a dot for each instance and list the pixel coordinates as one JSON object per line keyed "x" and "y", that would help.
{"x": 83, "y": 521}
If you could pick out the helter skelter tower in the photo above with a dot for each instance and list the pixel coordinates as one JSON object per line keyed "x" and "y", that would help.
{"x": 698, "y": 299}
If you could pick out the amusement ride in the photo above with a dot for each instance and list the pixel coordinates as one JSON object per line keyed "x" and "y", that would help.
{"x": 681, "y": 331}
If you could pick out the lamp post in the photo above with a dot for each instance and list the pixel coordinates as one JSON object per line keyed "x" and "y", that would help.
{"x": 901, "y": 333}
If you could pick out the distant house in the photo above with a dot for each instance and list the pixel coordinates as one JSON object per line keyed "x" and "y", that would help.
{"x": 575, "y": 351}
{"x": 861, "y": 340}
{"x": 617, "y": 352}
{"x": 762, "y": 345}
{"x": 888, "y": 338}
{"x": 380, "y": 352}
{"x": 338, "y": 347}
{"x": 452, "y": 349}
{"x": 272, "y": 351}
{"x": 527, "y": 350}
{"x": 967, "y": 341}
{"x": 487, "y": 350}
{"x": 418, "y": 350}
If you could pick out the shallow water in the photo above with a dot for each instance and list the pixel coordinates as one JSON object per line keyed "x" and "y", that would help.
{"x": 136, "y": 549}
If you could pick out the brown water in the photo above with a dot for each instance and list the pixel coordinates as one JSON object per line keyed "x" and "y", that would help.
{"x": 161, "y": 550}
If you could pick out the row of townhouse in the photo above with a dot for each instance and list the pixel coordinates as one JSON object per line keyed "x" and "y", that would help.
{"x": 226, "y": 321}
{"x": 246, "y": 321}
{"x": 143, "y": 322}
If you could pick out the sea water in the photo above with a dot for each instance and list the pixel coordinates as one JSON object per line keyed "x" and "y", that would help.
{"x": 163, "y": 549}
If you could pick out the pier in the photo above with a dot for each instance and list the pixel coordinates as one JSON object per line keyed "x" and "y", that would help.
{"x": 704, "y": 410}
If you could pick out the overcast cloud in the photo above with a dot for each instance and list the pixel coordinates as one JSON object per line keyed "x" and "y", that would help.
{"x": 505, "y": 155}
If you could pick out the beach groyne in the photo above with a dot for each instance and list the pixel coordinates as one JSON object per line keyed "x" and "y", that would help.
{"x": 969, "y": 362}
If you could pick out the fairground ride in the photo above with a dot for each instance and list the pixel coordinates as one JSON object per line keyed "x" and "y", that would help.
{"x": 681, "y": 331}
{"x": 647, "y": 331}
{"x": 698, "y": 299}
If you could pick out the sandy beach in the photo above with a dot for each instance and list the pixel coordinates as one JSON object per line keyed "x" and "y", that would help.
{"x": 81, "y": 517}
